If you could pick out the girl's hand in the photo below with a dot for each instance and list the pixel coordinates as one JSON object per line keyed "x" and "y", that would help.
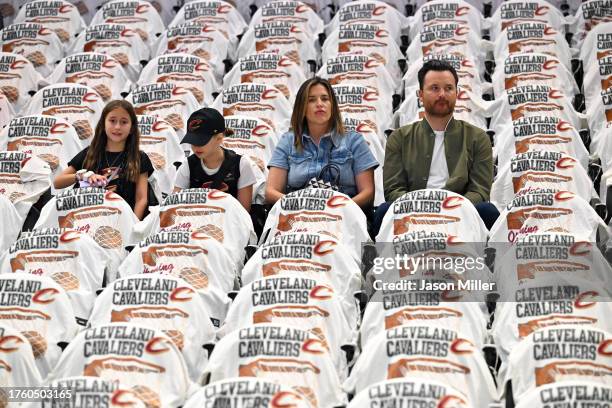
{"x": 97, "y": 180}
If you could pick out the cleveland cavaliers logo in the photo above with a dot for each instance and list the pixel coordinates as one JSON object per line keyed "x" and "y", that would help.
{"x": 194, "y": 124}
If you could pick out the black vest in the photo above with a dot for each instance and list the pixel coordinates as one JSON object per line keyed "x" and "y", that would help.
{"x": 226, "y": 179}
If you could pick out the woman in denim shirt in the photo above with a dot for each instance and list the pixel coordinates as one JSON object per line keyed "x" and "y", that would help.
{"x": 316, "y": 139}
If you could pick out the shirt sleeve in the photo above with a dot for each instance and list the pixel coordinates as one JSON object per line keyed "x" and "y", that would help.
{"x": 182, "y": 175}
{"x": 77, "y": 161}
{"x": 395, "y": 180}
{"x": 280, "y": 156}
{"x": 481, "y": 173}
{"x": 363, "y": 159}
{"x": 247, "y": 174}
{"x": 145, "y": 164}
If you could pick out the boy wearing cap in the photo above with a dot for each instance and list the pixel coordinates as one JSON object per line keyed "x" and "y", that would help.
{"x": 210, "y": 165}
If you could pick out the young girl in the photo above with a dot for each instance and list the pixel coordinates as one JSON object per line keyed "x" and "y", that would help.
{"x": 113, "y": 160}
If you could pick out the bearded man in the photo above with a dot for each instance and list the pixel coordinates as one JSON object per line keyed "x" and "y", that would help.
{"x": 439, "y": 151}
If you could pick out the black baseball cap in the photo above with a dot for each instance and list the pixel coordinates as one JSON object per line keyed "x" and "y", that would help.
{"x": 202, "y": 125}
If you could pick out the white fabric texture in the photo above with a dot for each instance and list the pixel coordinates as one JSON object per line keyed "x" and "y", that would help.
{"x": 117, "y": 40}
{"x": 84, "y": 389}
{"x": 525, "y": 11}
{"x": 141, "y": 358}
{"x": 11, "y": 230}
{"x": 206, "y": 42}
{"x": 165, "y": 302}
{"x": 102, "y": 214}
{"x": 18, "y": 361}
{"x": 51, "y": 139}
{"x": 171, "y": 103}
{"x": 184, "y": 70}
{"x": 18, "y": 77}
{"x": 541, "y": 169}
{"x": 37, "y": 43}
{"x": 23, "y": 179}
{"x": 268, "y": 69}
{"x": 244, "y": 390}
{"x": 416, "y": 391}
{"x": 39, "y": 308}
{"x": 540, "y": 210}
{"x": 71, "y": 258}
{"x": 360, "y": 70}
{"x": 307, "y": 365}
{"x": 364, "y": 103}
{"x": 428, "y": 352}
{"x": 532, "y": 37}
{"x": 295, "y": 12}
{"x": 193, "y": 256}
{"x": 138, "y": 15}
{"x": 98, "y": 71}
{"x": 300, "y": 302}
{"x": 574, "y": 392}
{"x": 208, "y": 211}
{"x": 365, "y": 39}
{"x": 535, "y": 133}
{"x": 160, "y": 142}
{"x": 315, "y": 256}
{"x": 59, "y": 16}
{"x": 557, "y": 354}
{"x": 445, "y": 11}
{"x": 261, "y": 101}
{"x": 446, "y": 211}
{"x": 219, "y": 14}
{"x": 371, "y": 12}
{"x": 318, "y": 211}
{"x": 533, "y": 69}
{"x": 280, "y": 37}
{"x": 79, "y": 105}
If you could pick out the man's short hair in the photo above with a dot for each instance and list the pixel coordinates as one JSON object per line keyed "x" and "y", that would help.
{"x": 436, "y": 65}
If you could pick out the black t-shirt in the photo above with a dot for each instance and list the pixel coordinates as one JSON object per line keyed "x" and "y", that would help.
{"x": 115, "y": 163}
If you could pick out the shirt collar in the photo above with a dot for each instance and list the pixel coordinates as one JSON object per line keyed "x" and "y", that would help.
{"x": 335, "y": 137}
{"x": 449, "y": 125}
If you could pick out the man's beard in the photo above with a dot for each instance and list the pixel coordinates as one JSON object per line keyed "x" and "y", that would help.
{"x": 440, "y": 108}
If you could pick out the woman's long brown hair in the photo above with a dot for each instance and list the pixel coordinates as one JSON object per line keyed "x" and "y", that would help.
{"x": 95, "y": 153}
{"x": 298, "y": 117}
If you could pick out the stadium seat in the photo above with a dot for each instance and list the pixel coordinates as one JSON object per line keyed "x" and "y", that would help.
{"x": 165, "y": 302}
{"x": 17, "y": 360}
{"x": 209, "y": 211}
{"x": 142, "y": 359}
{"x": 23, "y": 179}
{"x": 98, "y": 71}
{"x": 40, "y": 45}
{"x": 296, "y": 301}
{"x": 286, "y": 355}
{"x": 243, "y": 390}
{"x": 79, "y": 105}
{"x": 102, "y": 214}
{"x": 51, "y": 139}
{"x": 184, "y": 70}
{"x": 66, "y": 257}
{"x": 40, "y": 310}
{"x": 426, "y": 352}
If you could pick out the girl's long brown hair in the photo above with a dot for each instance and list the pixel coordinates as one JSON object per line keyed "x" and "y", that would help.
{"x": 95, "y": 153}
{"x": 298, "y": 117}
